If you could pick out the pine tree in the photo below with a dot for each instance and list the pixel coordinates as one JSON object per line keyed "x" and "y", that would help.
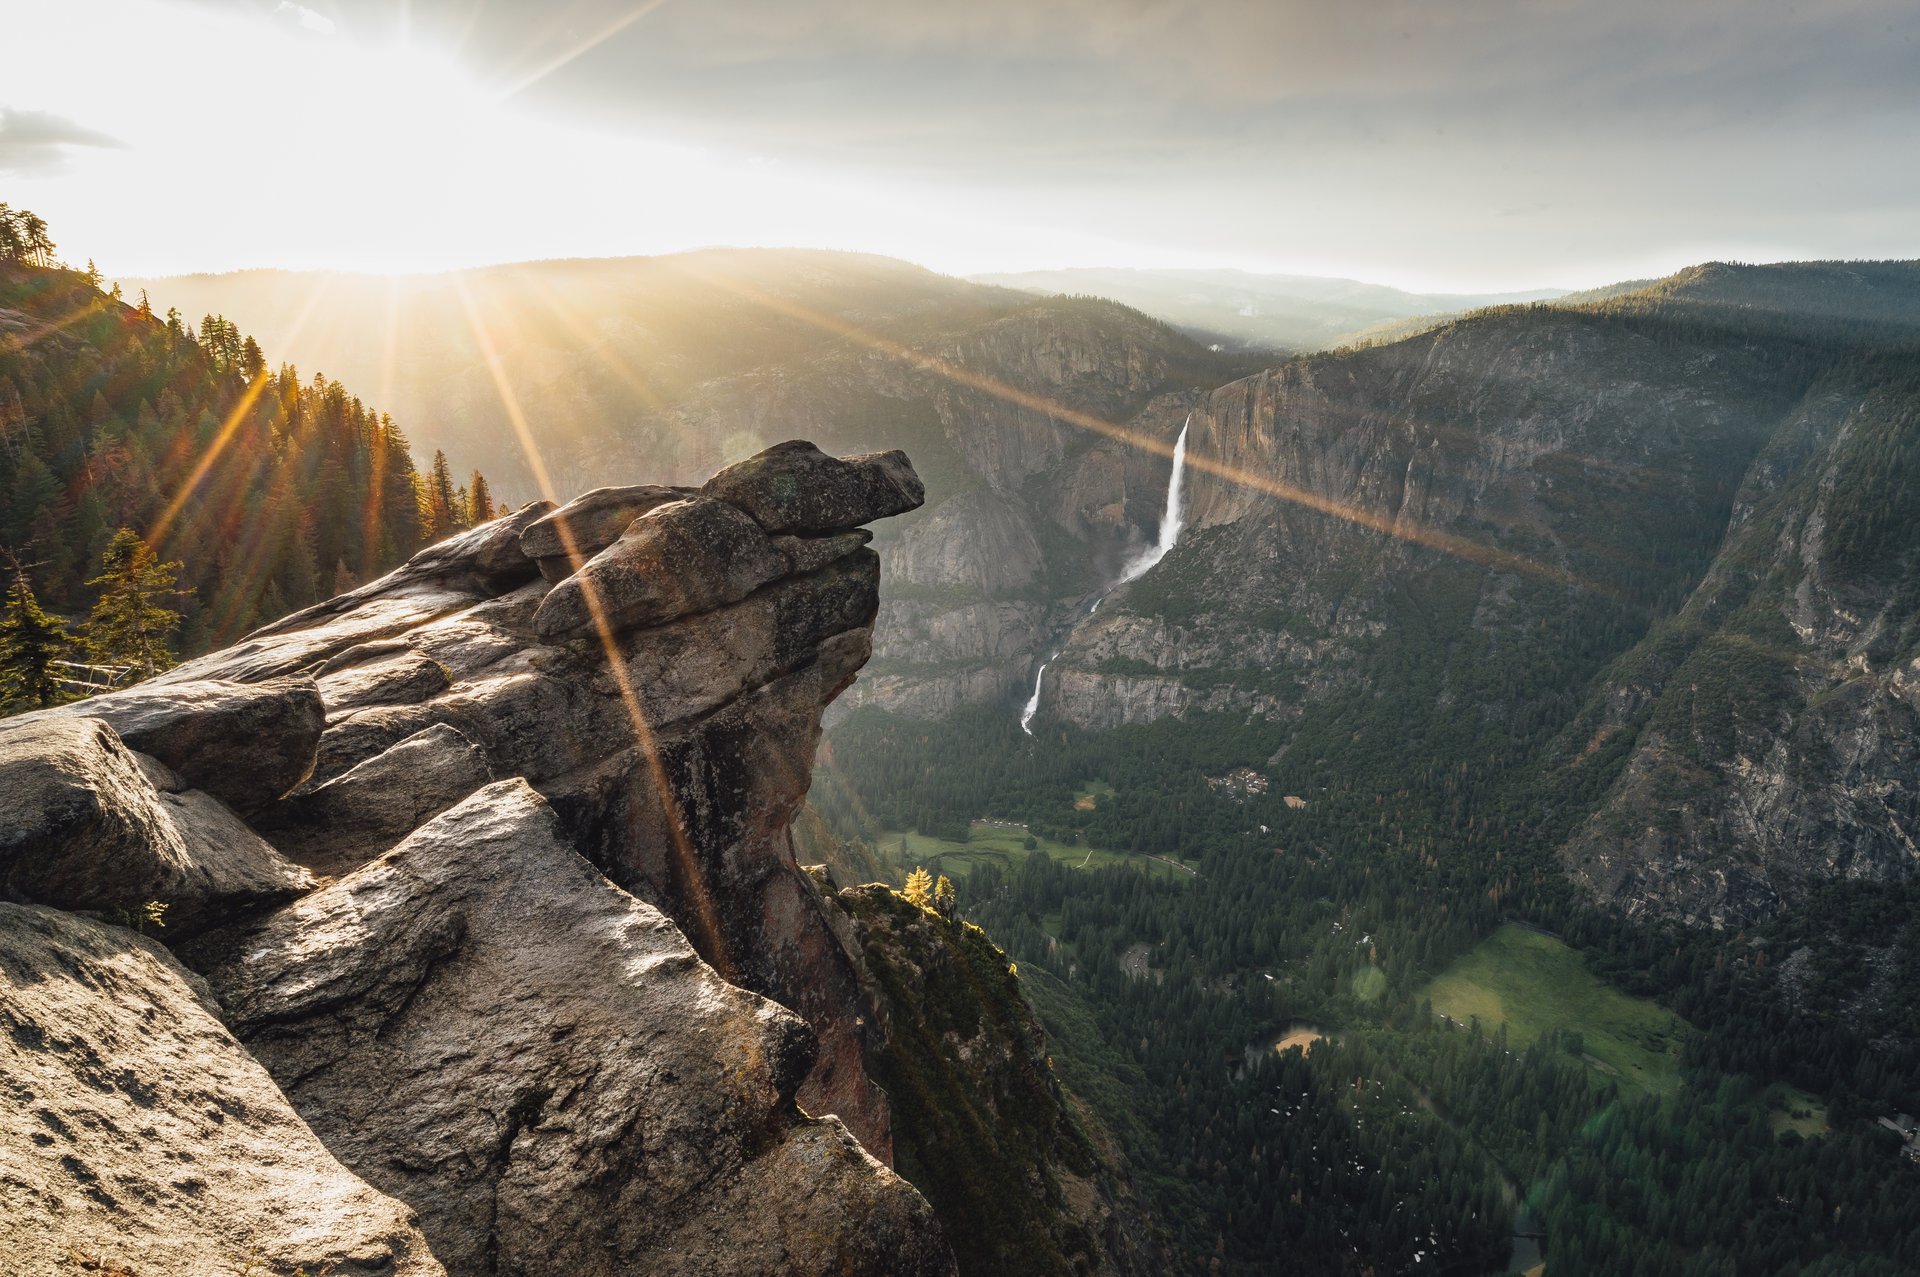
{"x": 130, "y": 625}
{"x": 480, "y": 502}
{"x": 919, "y": 888}
{"x": 944, "y": 897}
{"x": 440, "y": 498}
{"x": 30, "y": 642}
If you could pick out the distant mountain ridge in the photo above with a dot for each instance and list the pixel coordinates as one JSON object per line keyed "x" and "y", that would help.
{"x": 583, "y": 348}
{"x": 1660, "y": 553}
{"x": 1271, "y": 312}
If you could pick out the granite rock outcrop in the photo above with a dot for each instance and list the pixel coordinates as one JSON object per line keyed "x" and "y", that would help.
{"x": 508, "y": 928}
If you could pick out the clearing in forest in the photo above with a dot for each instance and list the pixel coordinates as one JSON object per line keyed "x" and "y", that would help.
{"x": 1004, "y": 845}
{"x": 1534, "y": 984}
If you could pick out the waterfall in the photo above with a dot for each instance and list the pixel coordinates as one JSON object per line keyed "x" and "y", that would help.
{"x": 1169, "y": 536}
{"x": 1169, "y": 522}
{"x": 1032, "y": 706}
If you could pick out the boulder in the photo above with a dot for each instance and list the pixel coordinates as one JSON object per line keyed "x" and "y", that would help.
{"x": 357, "y": 816}
{"x": 141, "y": 1138}
{"x": 486, "y": 560}
{"x": 361, "y": 734}
{"x": 804, "y": 555}
{"x": 83, "y": 827}
{"x": 795, "y": 487}
{"x": 679, "y": 558}
{"x": 481, "y": 1025}
{"x": 244, "y": 743}
{"x": 564, "y": 539}
{"x": 692, "y": 666}
{"x": 384, "y": 678}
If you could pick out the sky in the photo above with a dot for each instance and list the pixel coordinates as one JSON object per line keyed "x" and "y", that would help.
{"x": 1430, "y": 144}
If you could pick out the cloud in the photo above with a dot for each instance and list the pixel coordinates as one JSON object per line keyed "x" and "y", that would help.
{"x": 1096, "y": 88}
{"x": 304, "y": 18}
{"x": 41, "y": 144}
{"x": 1451, "y": 133}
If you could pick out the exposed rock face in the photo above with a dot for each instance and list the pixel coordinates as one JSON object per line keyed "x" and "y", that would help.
{"x": 82, "y": 826}
{"x": 561, "y": 542}
{"x": 678, "y": 769}
{"x": 355, "y": 817}
{"x": 964, "y": 1055}
{"x": 794, "y": 487}
{"x": 141, "y": 1137}
{"x": 678, "y": 558}
{"x": 247, "y": 744}
{"x": 1776, "y": 725}
{"x": 538, "y": 1063}
{"x": 566, "y": 1065}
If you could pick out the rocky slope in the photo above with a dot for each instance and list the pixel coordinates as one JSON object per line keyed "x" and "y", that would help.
{"x": 1433, "y": 550}
{"x": 984, "y": 1129}
{"x": 1775, "y": 721}
{"x": 490, "y": 951}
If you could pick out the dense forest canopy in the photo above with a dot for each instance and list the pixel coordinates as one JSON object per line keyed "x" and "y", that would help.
{"x": 269, "y": 490}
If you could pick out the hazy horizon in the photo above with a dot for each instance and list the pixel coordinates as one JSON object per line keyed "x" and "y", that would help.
{"x": 974, "y": 276}
{"x": 1492, "y": 147}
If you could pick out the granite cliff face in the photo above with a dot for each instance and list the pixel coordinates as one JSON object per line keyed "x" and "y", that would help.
{"x": 1657, "y": 556}
{"x": 490, "y": 951}
{"x": 1775, "y": 721}
{"x": 1319, "y": 487}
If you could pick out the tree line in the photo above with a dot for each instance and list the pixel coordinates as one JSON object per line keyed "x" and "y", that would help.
{"x": 127, "y": 436}
{"x": 24, "y": 238}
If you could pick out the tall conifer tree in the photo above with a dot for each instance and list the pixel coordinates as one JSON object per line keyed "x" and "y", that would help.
{"x": 131, "y": 624}
{"x": 30, "y": 643}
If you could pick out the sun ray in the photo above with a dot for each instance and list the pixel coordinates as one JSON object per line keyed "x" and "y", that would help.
{"x": 390, "y": 344}
{"x": 629, "y": 376}
{"x": 1399, "y": 527}
{"x": 583, "y": 47}
{"x": 157, "y": 535}
{"x": 644, "y": 738}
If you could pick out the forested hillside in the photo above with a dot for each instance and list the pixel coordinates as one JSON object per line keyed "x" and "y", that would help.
{"x": 1566, "y": 632}
{"x": 268, "y": 489}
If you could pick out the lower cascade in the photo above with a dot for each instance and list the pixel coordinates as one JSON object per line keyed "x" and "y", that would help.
{"x": 1139, "y": 566}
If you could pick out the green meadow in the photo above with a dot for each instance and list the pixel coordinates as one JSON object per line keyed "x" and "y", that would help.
{"x": 1532, "y": 983}
{"x": 990, "y": 844}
